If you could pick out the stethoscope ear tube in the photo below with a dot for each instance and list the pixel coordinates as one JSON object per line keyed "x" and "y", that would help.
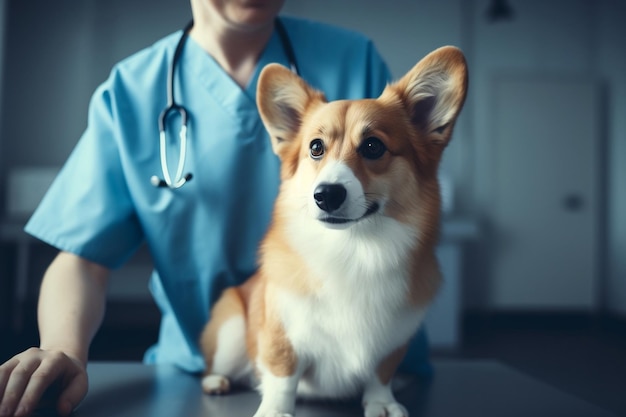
{"x": 287, "y": 46}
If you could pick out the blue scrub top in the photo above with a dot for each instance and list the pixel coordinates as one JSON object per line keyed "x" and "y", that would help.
{"x": 202, "y": 237}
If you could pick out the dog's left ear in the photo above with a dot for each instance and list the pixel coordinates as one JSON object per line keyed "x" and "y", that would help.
{"x": 282, "y": 99}
{"x": 433, "y": 92}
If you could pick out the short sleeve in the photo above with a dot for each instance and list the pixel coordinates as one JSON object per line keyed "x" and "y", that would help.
{"x": 88, "y": 210}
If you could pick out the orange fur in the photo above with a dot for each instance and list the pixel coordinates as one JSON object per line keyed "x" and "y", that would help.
{"x": 387, "y": 367}
{"x": 229, "y": 305}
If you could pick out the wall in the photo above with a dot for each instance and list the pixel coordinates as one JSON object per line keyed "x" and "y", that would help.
{"x": 57, "y": 53}
{"x": 582, "y": 38}
{"x": 544, "y": 37}
{"x": 3, "y": 26}
{"x": 5, "y": 252}
{"x": 611, "y": 66}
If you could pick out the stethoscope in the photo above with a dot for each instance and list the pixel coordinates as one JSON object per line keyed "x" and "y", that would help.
{"x": 173, "y": 107}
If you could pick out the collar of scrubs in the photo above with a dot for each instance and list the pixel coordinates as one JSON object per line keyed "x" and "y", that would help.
{"x": 198, "y": 65}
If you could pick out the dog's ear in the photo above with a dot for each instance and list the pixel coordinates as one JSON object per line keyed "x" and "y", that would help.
{"x": 433, "y": 92}
{"x": 282, "y": 98}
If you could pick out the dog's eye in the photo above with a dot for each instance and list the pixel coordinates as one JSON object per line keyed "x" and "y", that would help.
{"x": 372, "y": 148}
{"x": 317, "y": 148}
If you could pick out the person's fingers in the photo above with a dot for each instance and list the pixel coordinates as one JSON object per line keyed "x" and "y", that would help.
{"x": 5, "y": 372}
{"x": 15, "y": 386}
{"x": 48, "y": 371}
{"x": 74, "y": 390}
{"x": 29, "y": 378}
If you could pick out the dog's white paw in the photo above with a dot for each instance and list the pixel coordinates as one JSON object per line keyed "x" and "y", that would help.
{"x": 215, "y": 384}
{"x": 376, "y": 409}
{"x": 272, "y": 413}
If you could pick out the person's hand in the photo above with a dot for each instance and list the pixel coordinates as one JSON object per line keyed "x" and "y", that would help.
{"x": 27, "y": 376}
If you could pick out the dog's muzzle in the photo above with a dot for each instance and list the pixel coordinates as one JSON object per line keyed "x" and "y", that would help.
{"x": 331, "y": 197}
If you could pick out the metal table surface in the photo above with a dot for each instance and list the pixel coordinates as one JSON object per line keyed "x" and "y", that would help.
{"x": 459, "y": 388}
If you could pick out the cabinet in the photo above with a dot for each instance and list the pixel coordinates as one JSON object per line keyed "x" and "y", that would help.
{"x": 443, "y": 320}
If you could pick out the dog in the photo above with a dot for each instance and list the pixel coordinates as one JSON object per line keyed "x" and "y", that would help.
{"x": 347, "y": 267}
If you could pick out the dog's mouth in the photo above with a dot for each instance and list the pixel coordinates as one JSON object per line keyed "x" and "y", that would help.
{"x": 371, "y": 209}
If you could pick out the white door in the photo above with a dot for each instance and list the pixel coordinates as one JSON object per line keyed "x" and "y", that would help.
{"x": 545, "y": 207}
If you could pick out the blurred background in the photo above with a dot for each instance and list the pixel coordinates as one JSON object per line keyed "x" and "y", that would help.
{"x": 533, "y": 245}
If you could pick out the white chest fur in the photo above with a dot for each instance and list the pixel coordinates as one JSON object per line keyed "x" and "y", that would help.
{"x": 340, "y": 342}
{"x": 361, "y": 312}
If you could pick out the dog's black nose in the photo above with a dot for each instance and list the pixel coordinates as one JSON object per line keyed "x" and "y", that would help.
{"x": 329, "y": 197}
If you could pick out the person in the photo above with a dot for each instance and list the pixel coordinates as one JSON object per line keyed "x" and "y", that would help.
{"x": 202, "y": 236}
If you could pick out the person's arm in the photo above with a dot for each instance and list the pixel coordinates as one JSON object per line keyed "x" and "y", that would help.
{"x": 71, "y": 308}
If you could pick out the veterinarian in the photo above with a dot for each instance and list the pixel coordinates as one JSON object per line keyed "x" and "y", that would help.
{"x": 199, "y": 193}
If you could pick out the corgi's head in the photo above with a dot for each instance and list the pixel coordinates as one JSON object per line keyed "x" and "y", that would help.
{"x": 347, "y": 162}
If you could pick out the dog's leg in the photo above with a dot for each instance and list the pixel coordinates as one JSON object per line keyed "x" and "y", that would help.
{"x": 280, "y": 372}
{"x": 223, "y": 343}
{"x": 378, "y": 399}
{"x": 278, "y": 395}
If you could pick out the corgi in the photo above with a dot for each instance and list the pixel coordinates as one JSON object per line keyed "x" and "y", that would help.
{"x": 347, "y": 268}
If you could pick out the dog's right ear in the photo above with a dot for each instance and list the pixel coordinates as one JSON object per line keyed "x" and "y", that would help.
{"x": 282, "y": 98}
{"x": 433, "y": 92}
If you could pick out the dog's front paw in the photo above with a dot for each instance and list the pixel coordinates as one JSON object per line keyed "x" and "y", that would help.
{"x": 272, "y": 413}
{"x": 376, "y": 409}
{"x": 215, "y": 384}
